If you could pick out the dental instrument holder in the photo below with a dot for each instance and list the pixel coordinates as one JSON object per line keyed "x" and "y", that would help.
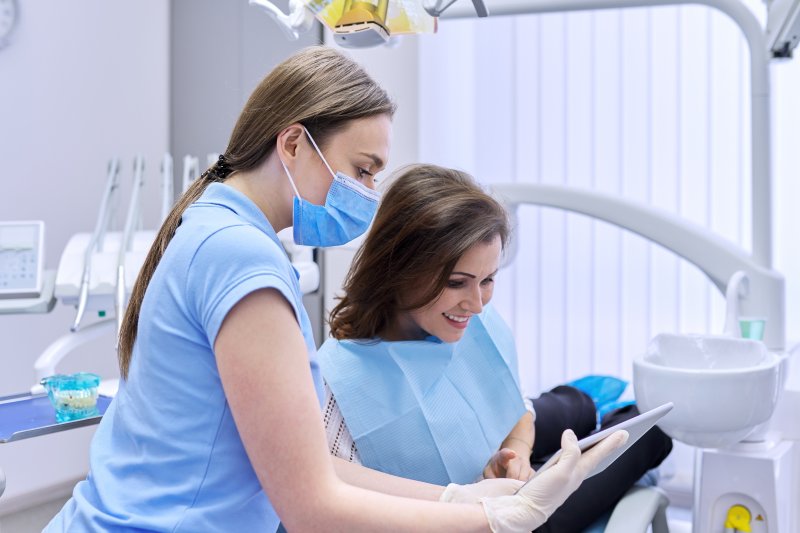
{"x": 98, "y": 236}
{"x": 24, "y": 416}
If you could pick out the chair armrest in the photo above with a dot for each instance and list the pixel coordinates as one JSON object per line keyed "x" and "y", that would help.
{"x": 638, "y": 509}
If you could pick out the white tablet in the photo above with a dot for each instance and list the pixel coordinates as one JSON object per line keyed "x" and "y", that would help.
{"x": 636, "y": 427}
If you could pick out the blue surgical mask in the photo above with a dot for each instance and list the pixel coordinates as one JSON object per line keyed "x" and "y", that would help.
{"x": 348, "y": 211}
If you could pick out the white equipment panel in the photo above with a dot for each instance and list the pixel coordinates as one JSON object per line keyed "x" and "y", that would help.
{"x": 21, "y": 259}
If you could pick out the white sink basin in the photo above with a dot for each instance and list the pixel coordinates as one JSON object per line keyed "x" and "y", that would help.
{"x": 722, "y": 387}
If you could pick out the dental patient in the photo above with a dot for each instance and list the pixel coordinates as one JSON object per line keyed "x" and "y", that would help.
{"x": 421, "y": 374}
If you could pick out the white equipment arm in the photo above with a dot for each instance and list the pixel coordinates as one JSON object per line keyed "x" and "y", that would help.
{"x": 435, "y": 8}
{"x": 718, "y": 258}
{"x": 298, "y": 19}
{"x": 45, "y": 364}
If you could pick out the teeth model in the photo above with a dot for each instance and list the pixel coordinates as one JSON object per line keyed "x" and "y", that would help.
{"x": 71, "y": 400}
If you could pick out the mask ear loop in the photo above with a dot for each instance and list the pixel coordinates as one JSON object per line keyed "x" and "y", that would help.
{"x": 289, "y": 177}
{"x": 319, "y": 152}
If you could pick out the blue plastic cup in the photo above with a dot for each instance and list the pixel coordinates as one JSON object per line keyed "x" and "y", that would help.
{"x": 752, "y": 327}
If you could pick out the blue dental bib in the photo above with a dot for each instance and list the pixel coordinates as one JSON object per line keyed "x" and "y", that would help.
{"x": 428, "y": 410}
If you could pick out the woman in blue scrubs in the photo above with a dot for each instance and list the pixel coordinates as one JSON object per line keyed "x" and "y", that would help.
{"x": 421, "y": 376}
{"x": 217, "y": 426}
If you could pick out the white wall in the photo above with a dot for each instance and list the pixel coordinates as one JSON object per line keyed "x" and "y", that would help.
{"x": 80, "y": 82}
{"x": 212, "y": 77}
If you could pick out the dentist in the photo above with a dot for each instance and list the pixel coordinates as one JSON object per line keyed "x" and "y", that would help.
{"x": 217, "y": 423}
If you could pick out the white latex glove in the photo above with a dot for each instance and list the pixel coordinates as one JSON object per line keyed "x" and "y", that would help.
{"x": 533, "y": 505}
{"x": 487, "y": 488}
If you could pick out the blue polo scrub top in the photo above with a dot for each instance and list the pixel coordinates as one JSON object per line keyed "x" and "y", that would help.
{"x": 167, "y": 455}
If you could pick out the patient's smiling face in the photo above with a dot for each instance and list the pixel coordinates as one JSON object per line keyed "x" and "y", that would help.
{"x": 468, "y": 289}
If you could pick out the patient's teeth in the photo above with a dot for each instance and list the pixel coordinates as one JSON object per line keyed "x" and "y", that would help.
{"x": 456, "y": 318}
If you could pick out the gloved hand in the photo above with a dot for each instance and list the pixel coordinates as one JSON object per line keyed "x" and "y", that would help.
{"x": 533, "y": 505}
{"x": 488, "y": 488}
{"x": 506, "y": 463}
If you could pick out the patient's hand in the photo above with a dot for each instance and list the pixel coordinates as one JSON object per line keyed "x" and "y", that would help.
{"x": 508, "y": 464}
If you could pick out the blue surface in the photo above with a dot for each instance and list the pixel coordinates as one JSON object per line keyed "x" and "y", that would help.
{"x": 36, "y": 414}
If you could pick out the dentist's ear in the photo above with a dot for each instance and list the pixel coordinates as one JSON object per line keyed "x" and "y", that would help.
{"x": 288, "y": 143}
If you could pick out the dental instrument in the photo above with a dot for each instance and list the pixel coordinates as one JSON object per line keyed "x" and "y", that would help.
{"x": 127, "y": 236}
{"x": 97, "y": 239}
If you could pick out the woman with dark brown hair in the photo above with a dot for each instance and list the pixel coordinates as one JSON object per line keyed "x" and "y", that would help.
{"x": 421, "y": 374}
{"x": 216, "y": 425}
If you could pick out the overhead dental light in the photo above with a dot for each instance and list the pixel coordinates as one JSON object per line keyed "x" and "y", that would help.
{"x": 362, "y": 23}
